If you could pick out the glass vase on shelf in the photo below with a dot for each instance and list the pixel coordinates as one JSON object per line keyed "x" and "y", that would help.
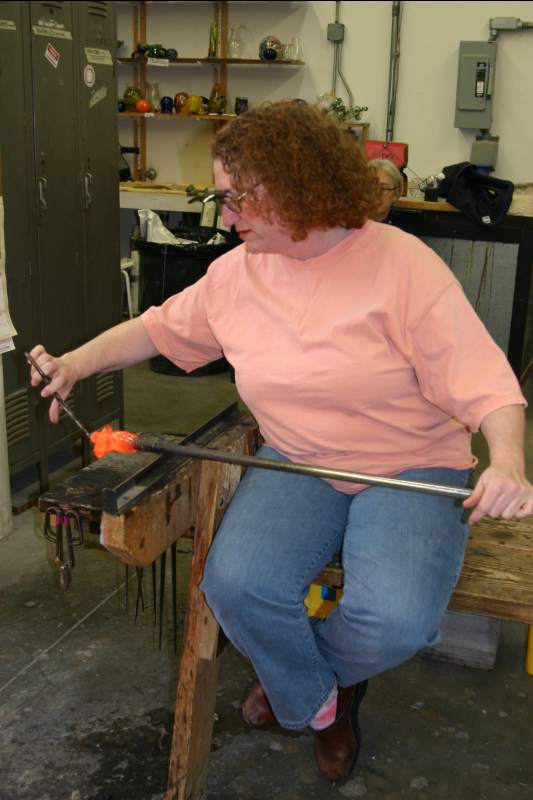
{"x": 213, "y": 40}
{"x": 296, "y": 48}
{"x": 234, "y": 43}
{"x": 152, "y": 95}
{"x": 217, "y": 100}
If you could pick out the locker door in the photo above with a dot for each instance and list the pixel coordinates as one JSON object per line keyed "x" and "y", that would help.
{"x": 96, "y": 41}
{"x": 58, "y": 192}
{"x": 16, "y": 148}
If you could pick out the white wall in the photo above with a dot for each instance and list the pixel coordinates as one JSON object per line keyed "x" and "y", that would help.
{"x": 431, "y": 32}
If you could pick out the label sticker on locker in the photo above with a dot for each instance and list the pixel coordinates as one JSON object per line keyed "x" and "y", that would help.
{"x": 52, "y": 55}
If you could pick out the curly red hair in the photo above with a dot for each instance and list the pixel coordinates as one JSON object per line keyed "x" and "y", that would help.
{"x": 312, "y": 170}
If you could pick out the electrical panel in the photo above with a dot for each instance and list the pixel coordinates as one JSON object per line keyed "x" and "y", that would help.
{"x": 475, "y": 83}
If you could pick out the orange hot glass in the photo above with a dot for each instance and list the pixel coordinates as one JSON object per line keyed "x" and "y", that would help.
{"x": 109, "y": 441}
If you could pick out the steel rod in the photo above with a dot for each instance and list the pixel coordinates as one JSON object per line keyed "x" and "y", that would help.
{"x": 192, "y": 451}
{"x": 62, "y": 403}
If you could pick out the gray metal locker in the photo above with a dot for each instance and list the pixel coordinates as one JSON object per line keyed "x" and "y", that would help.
{"x": 59, "y": 226}
{"x": 18, "y": 178}
{"x": 97, "y": 103}
{"x": 59, "y": 144}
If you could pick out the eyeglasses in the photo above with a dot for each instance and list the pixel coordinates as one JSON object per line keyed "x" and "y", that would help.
{"x": 222, "y": 197}
{"x": 384, "y": 188}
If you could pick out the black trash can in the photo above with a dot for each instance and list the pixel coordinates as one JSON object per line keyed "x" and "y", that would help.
{"x": 166, "y": 269}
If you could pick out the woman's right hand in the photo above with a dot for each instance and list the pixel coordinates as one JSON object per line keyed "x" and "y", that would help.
{"x": 62, "y": 374}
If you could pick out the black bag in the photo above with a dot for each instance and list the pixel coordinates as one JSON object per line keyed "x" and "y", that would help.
{"x": 484, "y": 199}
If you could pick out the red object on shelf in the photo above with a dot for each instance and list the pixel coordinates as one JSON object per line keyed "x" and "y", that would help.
{"x": 143, "y": 106}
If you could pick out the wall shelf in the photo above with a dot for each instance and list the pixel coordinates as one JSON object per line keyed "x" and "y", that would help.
{"x": 175, "y": 117}
{"x": 219, "y": 64}
{"x": 211, "y": 61}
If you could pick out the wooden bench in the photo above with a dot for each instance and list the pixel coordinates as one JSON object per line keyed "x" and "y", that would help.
{"x": 496, "y": 581}
{"x": 497, "y": 576}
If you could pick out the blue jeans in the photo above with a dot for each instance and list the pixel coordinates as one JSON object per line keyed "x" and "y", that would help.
{"x": 402, "y": 553}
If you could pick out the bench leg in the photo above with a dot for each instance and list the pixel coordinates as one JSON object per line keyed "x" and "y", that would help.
{"x": 198, "y": 676}
{"x": 529, "y": 651}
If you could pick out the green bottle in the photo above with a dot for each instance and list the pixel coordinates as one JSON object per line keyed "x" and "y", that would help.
{"x": 213, "y": 37}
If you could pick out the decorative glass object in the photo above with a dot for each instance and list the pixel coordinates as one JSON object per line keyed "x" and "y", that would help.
{"x": 270, "y": 48}
{"x": 130, "y": 97}
{"x": 217, "y": 100}
{"x": 155, "y": 51}
{"x": 234, "y": 43}
{"x": 179, "y": 101}
{"x": 152, "y": 95}
{"x": 296, "y": 48}
{"x": 241, "y": 105}
{"x": 213, "y": 40}
{"x": 193, "y": 105}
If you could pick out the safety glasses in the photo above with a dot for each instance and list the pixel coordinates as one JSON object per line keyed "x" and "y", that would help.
{"x": 222, "y": 197}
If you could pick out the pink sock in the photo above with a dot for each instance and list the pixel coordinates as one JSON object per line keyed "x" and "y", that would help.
{"x": 326, "y": 713}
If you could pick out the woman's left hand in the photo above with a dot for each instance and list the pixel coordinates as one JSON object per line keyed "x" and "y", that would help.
{"x": 501, "y": 492}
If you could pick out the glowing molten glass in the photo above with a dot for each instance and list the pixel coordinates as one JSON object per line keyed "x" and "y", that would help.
{"x": 109, "y": 441}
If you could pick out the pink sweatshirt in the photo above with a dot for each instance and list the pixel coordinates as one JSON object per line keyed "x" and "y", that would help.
{"x": 368, "y": 358}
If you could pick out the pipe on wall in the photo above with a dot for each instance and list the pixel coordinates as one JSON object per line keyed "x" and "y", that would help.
{"x": 394, "y": 67}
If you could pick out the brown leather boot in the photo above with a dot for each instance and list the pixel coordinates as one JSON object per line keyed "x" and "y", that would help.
{"x": 257, "y": 711}
{"x": 337, "y": 746}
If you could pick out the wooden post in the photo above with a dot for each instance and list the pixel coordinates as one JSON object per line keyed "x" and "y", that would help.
{"x": 198, "y": 677}
{"x": 142, "y": 122}
{"x": 199, "y": 666}
{"x": 136, "y": 38}
{"x": 223, "y": 47}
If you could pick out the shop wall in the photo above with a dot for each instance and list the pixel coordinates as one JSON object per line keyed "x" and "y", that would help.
{"x": 431, "y": 32}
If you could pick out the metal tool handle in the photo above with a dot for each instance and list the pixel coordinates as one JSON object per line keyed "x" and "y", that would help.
{"x": 148, "y": 443}
{"x": 62, "y": 403}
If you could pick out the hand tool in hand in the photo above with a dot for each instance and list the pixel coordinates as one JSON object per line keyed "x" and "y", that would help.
{"x": 108, "y": 440}
{"x": 57, "y": 396}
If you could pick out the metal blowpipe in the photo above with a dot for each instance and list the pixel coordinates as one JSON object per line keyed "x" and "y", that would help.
{"x": 192, "y": 451}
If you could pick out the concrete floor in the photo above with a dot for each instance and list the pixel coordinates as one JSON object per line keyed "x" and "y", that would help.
{"x": 87, "y": 697}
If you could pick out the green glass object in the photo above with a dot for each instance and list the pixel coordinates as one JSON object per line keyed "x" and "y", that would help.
{"x": 156, "y": 51}
{"x": 193, "y": 105}
{"x": 130, "y": 97}
{"x": 217, "y": 100}
{"x": 213, "y": 40}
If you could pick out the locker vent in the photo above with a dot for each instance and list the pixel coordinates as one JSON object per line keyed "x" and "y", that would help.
{"x": 105, "y": 387}
{"x": 17, "y": 417}
{"x": 51, "y": 4}
{"x": 98, "y": 9}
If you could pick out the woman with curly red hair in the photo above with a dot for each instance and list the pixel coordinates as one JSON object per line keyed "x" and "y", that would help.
{"x": 355, "y": 348}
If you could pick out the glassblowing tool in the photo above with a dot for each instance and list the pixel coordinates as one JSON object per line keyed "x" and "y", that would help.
{"x": 57, "y": 396}
{"x": 107, "y": 441}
